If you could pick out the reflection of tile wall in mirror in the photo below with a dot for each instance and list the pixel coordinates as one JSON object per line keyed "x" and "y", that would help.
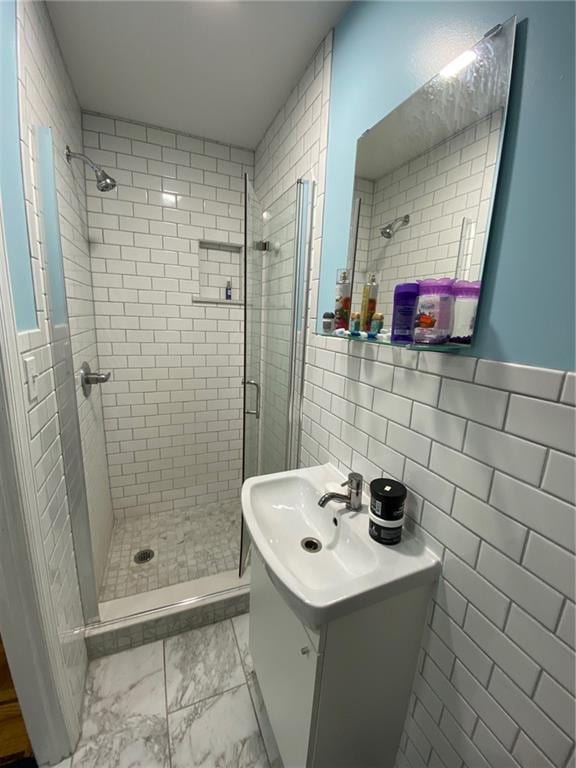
{"x": 447, "y": 192}
{"x": 364, "y": 194}
{"x": 426, "y": 173}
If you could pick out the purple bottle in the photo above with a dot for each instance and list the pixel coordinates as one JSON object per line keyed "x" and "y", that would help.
{"x": 404, "y": 313}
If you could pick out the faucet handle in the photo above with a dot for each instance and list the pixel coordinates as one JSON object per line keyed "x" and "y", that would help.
{"x": 354, "y": 482}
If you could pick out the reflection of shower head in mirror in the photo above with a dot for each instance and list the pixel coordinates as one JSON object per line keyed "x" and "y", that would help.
{"x": 390, "y": 229}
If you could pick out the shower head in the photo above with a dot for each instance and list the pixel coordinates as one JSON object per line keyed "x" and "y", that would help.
{"x": 390, "y": 229}
{"x": 104, "y": 182}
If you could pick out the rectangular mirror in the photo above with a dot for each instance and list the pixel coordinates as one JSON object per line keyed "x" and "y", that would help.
{"x": 424, "y": 186}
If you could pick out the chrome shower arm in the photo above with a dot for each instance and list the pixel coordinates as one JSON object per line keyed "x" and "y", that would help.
{"x": 390, "y": 230}
{"x": 70, "y": 155}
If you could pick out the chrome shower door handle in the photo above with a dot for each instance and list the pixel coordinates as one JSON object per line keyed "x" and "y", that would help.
{"x": 88, "y": 378}
{"x": 255, "y": 412}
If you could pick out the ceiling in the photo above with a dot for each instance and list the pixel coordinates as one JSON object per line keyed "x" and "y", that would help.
{"x": 214, "y": 69}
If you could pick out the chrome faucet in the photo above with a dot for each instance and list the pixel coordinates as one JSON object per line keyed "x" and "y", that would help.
{"x": 352, "y": 499}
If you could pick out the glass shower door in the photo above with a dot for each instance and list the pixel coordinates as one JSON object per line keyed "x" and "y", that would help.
{"x": 275, "y": 320}
{"x": 253, "y": 269}
{"x": 253, "y": 237}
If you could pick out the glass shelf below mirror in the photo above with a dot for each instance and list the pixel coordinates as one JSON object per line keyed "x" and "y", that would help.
{"x": 446, "y": 347}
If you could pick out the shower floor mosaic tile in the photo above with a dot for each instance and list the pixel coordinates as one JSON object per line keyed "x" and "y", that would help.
{"x": 188, "y": 545}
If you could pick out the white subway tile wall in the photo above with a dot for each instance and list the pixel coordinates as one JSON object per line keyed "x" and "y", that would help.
{"x": 47, "y": 98}
{"x": 495, "y": 682}
{"x": 447, "y": 192}
{"x": 275, "y": 342}
{"x": 169, "y": 235}
{"x": 293, "y": 147}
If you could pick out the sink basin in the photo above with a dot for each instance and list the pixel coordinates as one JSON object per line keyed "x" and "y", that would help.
{"x": 322, "y": 559}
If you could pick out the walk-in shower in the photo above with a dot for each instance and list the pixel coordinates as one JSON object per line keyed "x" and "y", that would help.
{"x": 202, "y": 332}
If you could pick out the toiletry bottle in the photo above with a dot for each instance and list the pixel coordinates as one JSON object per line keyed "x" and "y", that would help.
{"x": 355, "y": 324}
{"x": 435, "y": 311}
{"x": 327, "y": 322}
{"x": 466, "y": 296}
{"x": 386, "y": 515}
{"x": 376, "y": 325}
{"x": 368, "y": 306}
{"x": 343, "y": 300}
{"x": 404, "y": 312}
{"x": 229, "y": 290}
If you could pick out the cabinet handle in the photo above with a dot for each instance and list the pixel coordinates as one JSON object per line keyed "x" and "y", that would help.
{"x": 305, "y": 651}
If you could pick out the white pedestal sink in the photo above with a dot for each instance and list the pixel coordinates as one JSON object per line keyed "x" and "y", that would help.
{"x": 335, "y": 629}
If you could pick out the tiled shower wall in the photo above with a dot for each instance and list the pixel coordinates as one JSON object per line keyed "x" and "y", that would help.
{"x": 173, "y": 406}
{"x": 47, "y": 98}
{"x": 293, "y": 147}
{"x": 487, "y": 452}
{"x": 438, "y": 189}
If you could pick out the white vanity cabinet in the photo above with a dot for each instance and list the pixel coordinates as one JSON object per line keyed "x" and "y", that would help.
{"x": 336, "y": 696}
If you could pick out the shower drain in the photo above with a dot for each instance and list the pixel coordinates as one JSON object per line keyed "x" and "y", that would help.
{"x": 143, "y": 556}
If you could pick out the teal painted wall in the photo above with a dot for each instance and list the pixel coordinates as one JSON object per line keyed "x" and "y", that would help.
{"x": 11, "y": 183}
{"x": 383, "y": 51}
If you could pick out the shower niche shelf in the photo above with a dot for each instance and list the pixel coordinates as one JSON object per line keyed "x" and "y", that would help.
{"x": 197, "y": 299}
{"x": 219, "y": 263}
{"x": 447, "y": 347}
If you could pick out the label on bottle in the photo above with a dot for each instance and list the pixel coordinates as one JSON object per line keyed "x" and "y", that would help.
{"x": 433, "y": 318}
{"x": 403, "y": 322}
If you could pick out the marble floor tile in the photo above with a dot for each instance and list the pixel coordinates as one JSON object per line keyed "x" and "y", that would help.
{"x": 201, "y": 663}
{"x": 221, "y": 731}
{"x": 241, "y": 626}
{"x": 122, "y": 688}
{"x": 141, "y": 743}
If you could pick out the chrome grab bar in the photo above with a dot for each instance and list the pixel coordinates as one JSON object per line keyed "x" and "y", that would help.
{"x": 255, "y": 412}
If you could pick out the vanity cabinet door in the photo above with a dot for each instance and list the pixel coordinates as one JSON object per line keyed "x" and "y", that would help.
{"x": 285, "y": 662}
